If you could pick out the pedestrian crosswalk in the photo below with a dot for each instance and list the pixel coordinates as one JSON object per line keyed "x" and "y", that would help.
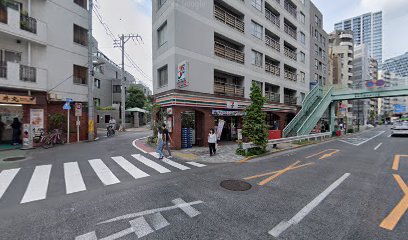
{"x": 136, "y": 166}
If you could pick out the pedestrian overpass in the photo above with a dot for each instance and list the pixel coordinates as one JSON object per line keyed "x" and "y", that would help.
{"x": 319, "y": 99}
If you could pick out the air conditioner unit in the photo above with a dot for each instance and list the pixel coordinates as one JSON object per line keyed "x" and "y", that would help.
{"x": 54, "y": 96}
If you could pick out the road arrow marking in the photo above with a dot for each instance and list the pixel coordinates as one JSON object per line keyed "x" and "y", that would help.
{"x": 322, "y": 152}
{"x": 328, "y": 155}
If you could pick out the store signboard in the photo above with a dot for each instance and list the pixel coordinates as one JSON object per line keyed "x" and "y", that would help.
{"x": 6, "y": 98}
{"x": 232, "y": 105}
{"x": 37, "y": 120}
{"x": 182, "y": 75}
{"x": 228, "y": 113}
{"x": 219, "y": 129}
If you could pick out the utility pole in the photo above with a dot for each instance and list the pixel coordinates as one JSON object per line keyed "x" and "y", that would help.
{"x": 123, "y": 39}
{"x": 91, "y": 109}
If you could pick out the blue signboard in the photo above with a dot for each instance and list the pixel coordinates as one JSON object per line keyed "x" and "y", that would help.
{"x": 400, "y": 108}
{"x": 66, "y": 106}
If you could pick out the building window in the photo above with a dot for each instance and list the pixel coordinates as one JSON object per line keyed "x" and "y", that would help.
{"x": 80, "y": 75}
{"x": 316, "y": 77}
{"x": 316, "y": 49}
{"x": 302, "y": 18}
{"x": 256, "y": 58}
{"x": 257, "y": 4}
{"x": 81, "y": 3}
{"x": 316, "y": 64}
{"x": 302, "y": 77}
{"x": 161, "y": 3}
{"x": 302, "y": 57}
{"x": 80, "y": 35}
{"x": 116, "y": 88}
{"x": 162, "y": 34}
{"x": 116, "y": 74}
{"x": 97, "y": 83}
{"x": 257, "y": 30}
{"x": 163, "y": 76}
{"x": 302, "y": 38}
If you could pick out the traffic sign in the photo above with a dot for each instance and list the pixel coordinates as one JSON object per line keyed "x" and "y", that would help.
{"x": 78, "y": 109}
{"x": 66, "y": 106}
{"x": 68, "y": 100}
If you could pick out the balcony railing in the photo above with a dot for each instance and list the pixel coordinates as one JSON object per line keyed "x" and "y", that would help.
{"x": 272, "y": 17}
{"x": 272, "y": 43}
{"x": 28, "y": 74}
{"x": 290, "y": 9}
{"x": 3, "y": 14}
{"x": 271, "y": 68}
{"x": 290, "y": 53}
{"x": 290, "y": 100}
{"x": 290, "y": 31}
{"x": 272, "y": 97}
{"x": 3, "y": 69}
{"x": 290, "y": 75}
{"x": 229, "y": 53}
{"x": 229, "y": 19}
{"x": 228, "y": 89}
{"x": 28, "y": 23}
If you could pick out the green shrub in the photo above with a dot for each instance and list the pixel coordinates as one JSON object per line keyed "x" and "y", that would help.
{"x": 251, "y": 151}
{"x": 105, "y": 108}
{"x": 350, "y": 130}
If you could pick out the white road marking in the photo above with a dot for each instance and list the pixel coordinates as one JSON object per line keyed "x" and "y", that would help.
{"x": 130, "y": 168}
{"x": 170, "y": 162}
{"x": 73, "y": 178}
{"x": 187, "y": 209}
{"x": 363, "y": 140}
{"x": 389, "y": 135}
{"x": 38, "y": 185}
{"x": 6, "y": 177}
{"x": 151, "y": 211}
{"x": 378, "y": 146}
{"x": 103, "y": 172}
{"x": 196, "y": 164}
{"x": 151, "y": 163}
{"x": 87, "y": 236}
{"x": 138, "y": 148}
{"x": 158, "y": 221}
{"x": 141, "y": 227}
{"x": 282, "y": 226}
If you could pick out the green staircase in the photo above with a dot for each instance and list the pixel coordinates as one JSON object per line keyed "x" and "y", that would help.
{"x": 313, "y": 107}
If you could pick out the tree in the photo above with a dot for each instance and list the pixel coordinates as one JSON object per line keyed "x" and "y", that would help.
{"x": 254, "y": 127}
{"x": 135, "y": 98}
{"x": 4, "y": 3}
{"x": 371, "y": 118}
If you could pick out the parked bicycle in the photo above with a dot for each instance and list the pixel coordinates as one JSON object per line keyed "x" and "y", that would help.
{"x": 55, "y": 137}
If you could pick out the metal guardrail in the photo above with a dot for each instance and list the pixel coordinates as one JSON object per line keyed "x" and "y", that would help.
{"x": 249, "y": 145}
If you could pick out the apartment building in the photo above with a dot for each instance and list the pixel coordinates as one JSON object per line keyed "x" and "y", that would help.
{"x": 206, "y": 54}
{"x": 397, "y": 65}
{"x": 374, "y": 102}
{"x": 341, "y": 54}
{"x": 41, "y": 65}
{"x": 319, "y": 46}
{"x": 393, "y": 105}
{"x": 367, "y": 29}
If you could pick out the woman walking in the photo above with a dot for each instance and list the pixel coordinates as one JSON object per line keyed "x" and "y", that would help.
{"x": 159, "y": 148}
{"x": 212, "y": 140}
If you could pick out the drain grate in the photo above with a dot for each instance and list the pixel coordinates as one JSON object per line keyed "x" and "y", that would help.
{"x": 11, "y": 159}
{"x": 235, "y": 185}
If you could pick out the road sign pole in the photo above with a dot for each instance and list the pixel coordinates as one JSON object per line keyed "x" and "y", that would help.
{"x": 68, "y": 127}
{"x": 77, "y": 122}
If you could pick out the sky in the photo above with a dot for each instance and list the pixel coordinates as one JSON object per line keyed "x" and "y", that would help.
{"x": 134, "y": 17}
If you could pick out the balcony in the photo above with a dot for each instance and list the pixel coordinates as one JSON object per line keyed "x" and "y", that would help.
{"x": 228, "y": 89}
{"x": 289, "y": 75}
{"x": 290, "y": 53}
{"x": 272, "y": 96}
{"x": 290, "y": 31}
{"x": 228, "y": 18}
{"x": 271, "y": 42}
{"x": 272, "y": 17}
{"x": 271, "y": 68}
{"x": 19, "y": 26}
{"x": 290, "y": 8}
{"x": 16, "y": 75}
{"x": 290, "y": 100}
{"x": 229, "y": 53}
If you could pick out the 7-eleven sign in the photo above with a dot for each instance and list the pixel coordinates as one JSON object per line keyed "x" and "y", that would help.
{"x": 232, "y": 105}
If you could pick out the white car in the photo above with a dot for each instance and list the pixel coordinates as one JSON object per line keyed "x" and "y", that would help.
{"x": 399, "y": 128}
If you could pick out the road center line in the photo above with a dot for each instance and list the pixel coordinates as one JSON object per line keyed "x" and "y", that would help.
{"x": 378, "y": 146}
{"x": 282, "y": 226}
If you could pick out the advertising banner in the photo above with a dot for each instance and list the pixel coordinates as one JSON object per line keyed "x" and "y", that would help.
{"x": 220, "y": 127}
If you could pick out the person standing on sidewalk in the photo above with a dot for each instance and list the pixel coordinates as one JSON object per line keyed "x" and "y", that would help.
{"x": 167, "y": 139}
{"x": 159, "y": 148}
{"x": 16, "y": 125}
{"x": 212, "y": 140}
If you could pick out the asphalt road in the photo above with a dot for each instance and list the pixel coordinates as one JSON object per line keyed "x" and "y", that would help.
{"x": 350, "y": 189}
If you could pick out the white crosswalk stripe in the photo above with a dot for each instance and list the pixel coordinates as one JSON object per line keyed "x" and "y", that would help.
{"x": 103, "y": 172}
{"x": 38, "y": 185}
{"x": 196, "y": 164}
{"x": 6, "y": 177}
{"x": 171, "y": 163}
{"x": 130, "y": 168}
{"x": 73, "y": 178}
{"x": 151, "y": 163}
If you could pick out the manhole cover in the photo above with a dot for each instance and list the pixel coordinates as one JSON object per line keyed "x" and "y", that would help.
{"x": 11, "y": 159}
{"x": 235, "y": 185}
